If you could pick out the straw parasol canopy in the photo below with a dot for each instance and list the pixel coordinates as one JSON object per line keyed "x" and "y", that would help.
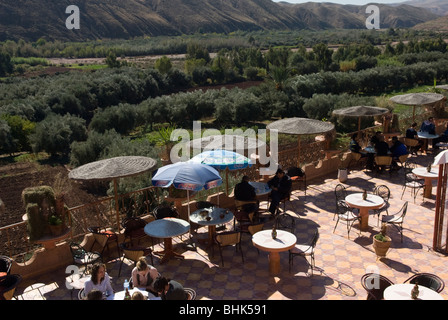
{"x": 360, "y": 112}
{"x": 112, "y": 169}
{"x": 299, "y": 127}
{"x": 442, "y": 86}
{"x": 417, "y": 99}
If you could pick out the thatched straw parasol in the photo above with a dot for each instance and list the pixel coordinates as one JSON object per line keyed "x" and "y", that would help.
{"x": 417, "y": 99}
{"x": 360, "y": 112}
{"x": 299, "y": 127}
{"x": 112, "y": 169}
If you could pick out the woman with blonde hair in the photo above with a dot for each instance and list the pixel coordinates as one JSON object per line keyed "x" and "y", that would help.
{"x": 143, "y": 275}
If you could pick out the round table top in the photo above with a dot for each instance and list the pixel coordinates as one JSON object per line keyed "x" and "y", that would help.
{"x": 426, "y": 135}
{"x": 261, "y": 188}
{"x": 372, "y": 201}
{"x": 284, "y": 241}
{"x": 120, "y": 294}
{"x": 423, "y": 172}
{"x": 167, "y": 228}
{"x": 214, "y": 214}
{"x": 403, "y": 292}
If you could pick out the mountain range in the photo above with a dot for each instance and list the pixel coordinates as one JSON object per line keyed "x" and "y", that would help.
{"x": 100, "y": 19}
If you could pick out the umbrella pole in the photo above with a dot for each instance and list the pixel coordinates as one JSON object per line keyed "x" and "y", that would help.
{"x": 117, "y": 210}
{"x": 227, "y": 181}
{"x": 413, "y": 113}
{"x": 359, "y": 124}
{"x": 298, "y": 156}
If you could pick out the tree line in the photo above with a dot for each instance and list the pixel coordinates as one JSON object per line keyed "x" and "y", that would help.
{"x": 88, "y": 115}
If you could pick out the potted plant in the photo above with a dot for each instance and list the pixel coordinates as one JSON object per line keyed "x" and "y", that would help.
{"x": 381, "y": 242}
{"x": 56, "y": 225}
{"x": 342, "y": 169}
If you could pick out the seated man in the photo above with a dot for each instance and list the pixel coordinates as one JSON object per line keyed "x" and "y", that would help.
{"x": 281, "y": 186}
{"x": 245, "y": 192}
{"x": 398, "y": 149}
{"x": 381, "y": 147}
{"x": 376, "y": 138}
{"x": 411, "y": 133}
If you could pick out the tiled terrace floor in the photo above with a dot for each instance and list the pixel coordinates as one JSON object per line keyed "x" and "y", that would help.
{"x": 340, "y": 262}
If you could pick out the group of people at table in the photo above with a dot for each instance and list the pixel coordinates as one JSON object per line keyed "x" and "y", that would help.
{"x": 147, "y": 278}
{"x": 379, "y": 147}
{"x": 144, "y": 276}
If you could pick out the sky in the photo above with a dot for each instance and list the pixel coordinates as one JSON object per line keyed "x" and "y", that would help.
{"x": 358, "y": 2}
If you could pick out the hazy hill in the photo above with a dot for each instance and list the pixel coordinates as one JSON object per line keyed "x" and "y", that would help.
{"x": 354, "y": 17}
{"x": 32, "y": 19}
{"x": 440, "y": 24}
{"x": 439, "y": 7}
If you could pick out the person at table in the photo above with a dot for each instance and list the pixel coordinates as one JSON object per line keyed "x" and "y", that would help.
{"x": 137, "y": 295}
{"x": 443, "y": 138}
{"x": 428, "y": 126}
{"x": 281, "y": 185}
{"x": 99, "y": 280}
{"x": 143, "y": 275}
{"x": 169, "y": 289}
{"x": 375, "y": 138}
{"x": 381, "y": 147}
{"x": 356, "y": 148}
{"x": 411, "y": 133}
{"x": 245, "y": 192}
{"x": 94, "y": 294}
{"x": 397, "y": 149}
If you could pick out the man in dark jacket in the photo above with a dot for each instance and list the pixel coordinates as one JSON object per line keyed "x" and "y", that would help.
{"x": 281, "y": 186}
{"x": 244, "y": 191}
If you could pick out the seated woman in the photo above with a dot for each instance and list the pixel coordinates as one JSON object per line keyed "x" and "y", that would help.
{"x": 144, "y": 275}
{"x": 356, "y": 148}
{"x": 99, "y": 280}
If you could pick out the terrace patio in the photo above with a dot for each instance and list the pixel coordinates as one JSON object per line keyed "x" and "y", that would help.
{"x": 340, "y": 261}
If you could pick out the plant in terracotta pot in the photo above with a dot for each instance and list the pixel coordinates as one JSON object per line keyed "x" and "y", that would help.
{"x": 381, "y": 242}
{"x": 56, "y": 225}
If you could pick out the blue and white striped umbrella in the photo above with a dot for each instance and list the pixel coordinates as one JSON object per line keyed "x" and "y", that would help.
{"x": 222, "y": 159}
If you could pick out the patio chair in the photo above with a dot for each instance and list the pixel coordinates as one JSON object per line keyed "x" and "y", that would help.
{"x": 133, "y": 254}
{"x": 340, "y": 192}
{"x": 304, "y": 250}
{"x": 8, "y": 285}
{"x": 383, "y": 162}
{"x": 411, "y": 181}
{"x": 229, "y": 238}
{"x": 375, "y": 284}
{"x": 134, "y": 229}
{"x": 298, "y": 177}
{"x": 103, "y": 237}
{"x": 83, "y": 257}
{"x": 5, "y": 265}
{"x": 384, "y": 192}
{"x": 413, "y": 145}
{"x": 191, "y": 293}
{"x": 427, "y": 280}
{"x": 397, "y": 219}
{"x": 346, "y": 214}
